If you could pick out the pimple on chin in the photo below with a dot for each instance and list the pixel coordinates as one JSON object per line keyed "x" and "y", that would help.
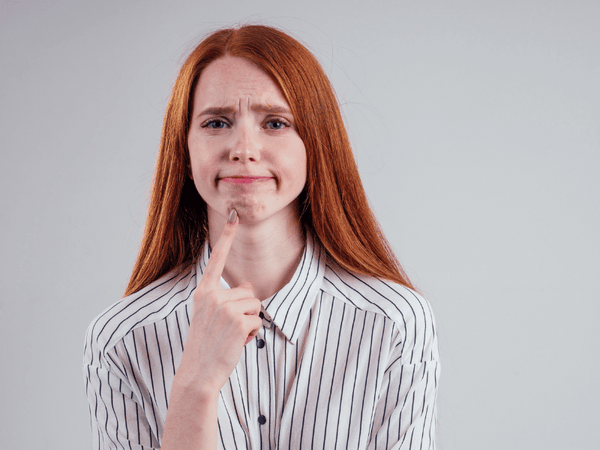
{"x": 247, "y": 209}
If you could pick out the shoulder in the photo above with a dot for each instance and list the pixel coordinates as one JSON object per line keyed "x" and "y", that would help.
{"x": 368, "y": 293}
{"x": 410, "y": 312}
{"x": 151, "y": 304}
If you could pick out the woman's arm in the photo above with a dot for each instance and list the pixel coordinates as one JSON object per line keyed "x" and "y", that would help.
{"x": 405, "y": 415}
{"x": 223, "y": 321}
{"x": 117, "y": 414}
{"x": 191, "y": 421}
{"x": 123, "y": 411}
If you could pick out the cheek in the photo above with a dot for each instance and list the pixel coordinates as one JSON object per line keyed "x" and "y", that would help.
{"x": 300, "y": 165}
{"x": 198, "y": 152}
{"x": 201, "y": 167}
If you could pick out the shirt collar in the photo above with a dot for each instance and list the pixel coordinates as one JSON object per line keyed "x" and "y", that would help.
{"x": 289, "y": 308}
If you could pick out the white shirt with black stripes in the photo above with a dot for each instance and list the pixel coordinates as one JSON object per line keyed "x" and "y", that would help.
{"x": 342, "y": 361}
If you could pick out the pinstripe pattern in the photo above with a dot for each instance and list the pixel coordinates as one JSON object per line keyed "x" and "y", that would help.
{"x": 348, "y": 362}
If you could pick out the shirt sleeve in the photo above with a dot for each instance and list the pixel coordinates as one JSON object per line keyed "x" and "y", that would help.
{"x": 406, "y": 415}
{"x": 118, "y": 420}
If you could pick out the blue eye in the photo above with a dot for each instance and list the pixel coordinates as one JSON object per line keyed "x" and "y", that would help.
{"x": 215, "y": 124}
{"x": 276, "y": 124}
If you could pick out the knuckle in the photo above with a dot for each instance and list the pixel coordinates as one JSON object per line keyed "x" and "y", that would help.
{"x": 238, "y": 324}
{"x": 214, "y": 299}
{"x": 209, "y": 298}
{"x": 228, "y": 309}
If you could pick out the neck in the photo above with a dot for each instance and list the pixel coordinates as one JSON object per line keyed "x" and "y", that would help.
{"x": 266, "y": 253}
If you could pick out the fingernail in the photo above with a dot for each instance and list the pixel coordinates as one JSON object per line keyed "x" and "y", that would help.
{"x": 232, "y": 217}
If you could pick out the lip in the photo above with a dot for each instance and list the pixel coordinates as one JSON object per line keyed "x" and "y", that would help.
{"x": 244, "y": 180}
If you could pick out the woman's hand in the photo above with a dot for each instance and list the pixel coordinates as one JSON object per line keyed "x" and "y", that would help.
{"x": 223, "y": 321}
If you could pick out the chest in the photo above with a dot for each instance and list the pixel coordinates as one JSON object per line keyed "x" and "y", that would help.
{"x": 319, "y": 391}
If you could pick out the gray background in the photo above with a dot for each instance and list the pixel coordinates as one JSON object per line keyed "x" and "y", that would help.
{"x": 476, "y": 128}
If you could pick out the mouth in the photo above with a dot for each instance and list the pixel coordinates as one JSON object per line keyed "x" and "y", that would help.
{"x": 244, "y": 180}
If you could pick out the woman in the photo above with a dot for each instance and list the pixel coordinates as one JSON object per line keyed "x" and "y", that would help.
{"x": 266, "y": 309}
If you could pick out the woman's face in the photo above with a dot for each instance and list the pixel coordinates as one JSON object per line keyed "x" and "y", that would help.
{"x": 245, "y": 152}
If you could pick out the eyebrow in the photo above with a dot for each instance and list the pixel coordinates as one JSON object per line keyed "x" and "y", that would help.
{"x": 270, "y": 109}
{"x": 227, "y": 110}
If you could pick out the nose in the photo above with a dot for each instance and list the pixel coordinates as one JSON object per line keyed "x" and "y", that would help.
{"x": 246, "y": 147}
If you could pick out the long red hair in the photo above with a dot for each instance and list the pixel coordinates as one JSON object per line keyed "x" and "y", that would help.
{"x": 334, "y": 205}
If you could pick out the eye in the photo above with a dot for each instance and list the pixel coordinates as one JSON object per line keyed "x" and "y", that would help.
{"x": 276, "y": 124}
{"x": 215, "y": 124}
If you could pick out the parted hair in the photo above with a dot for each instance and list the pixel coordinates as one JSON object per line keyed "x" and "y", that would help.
{"x": 334, "y": 206}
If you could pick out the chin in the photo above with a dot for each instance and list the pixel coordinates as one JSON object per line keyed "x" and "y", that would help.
{"x": 248, "y": 210}
{"x": 255, "y": 213}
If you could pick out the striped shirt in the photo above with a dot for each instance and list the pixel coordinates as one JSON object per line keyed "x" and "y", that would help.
{"x": 342, "y": 361}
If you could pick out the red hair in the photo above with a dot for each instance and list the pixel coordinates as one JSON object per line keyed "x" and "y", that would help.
{"x": 335, "y": 207}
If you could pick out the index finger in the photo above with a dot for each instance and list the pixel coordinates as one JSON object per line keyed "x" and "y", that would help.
{"x": 218, "y": 256}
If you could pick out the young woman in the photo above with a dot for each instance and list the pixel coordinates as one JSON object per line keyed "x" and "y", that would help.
{"x": 266, "y": 309}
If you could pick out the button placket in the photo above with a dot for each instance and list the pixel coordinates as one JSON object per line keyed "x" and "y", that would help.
{"x": 262, "y": 359}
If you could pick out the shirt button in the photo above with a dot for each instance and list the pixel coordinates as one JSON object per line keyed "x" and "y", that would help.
{"x": 262, "y": 419}
{"x": 261, "y": 315}
{"x": 260, "y": 344}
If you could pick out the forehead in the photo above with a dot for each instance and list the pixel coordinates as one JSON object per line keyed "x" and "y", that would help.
{"x": 230, "y": 81}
